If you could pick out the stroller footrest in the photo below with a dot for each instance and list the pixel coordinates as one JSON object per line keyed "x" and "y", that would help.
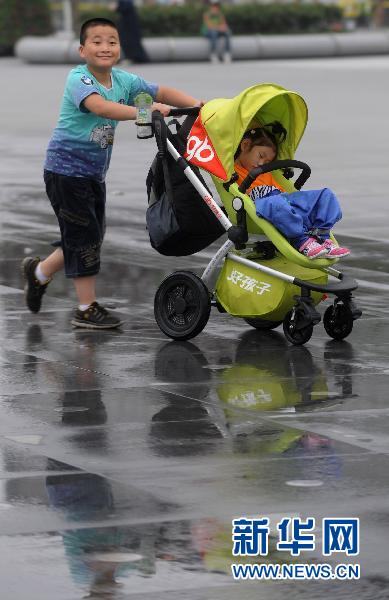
{"x": 339, "y": 288}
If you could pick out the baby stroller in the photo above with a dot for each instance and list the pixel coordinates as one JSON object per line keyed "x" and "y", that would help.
{"x": 262, "y": 278}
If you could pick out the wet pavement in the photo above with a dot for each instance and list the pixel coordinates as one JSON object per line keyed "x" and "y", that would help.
{"x": 124, "y": 456}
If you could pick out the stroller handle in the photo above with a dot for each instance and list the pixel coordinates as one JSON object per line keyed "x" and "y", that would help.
{"x": 274, "y": 166}
{"x": 181, "y": 112}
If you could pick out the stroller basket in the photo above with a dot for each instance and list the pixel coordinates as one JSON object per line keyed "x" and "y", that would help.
{"x": 178, "y": 221}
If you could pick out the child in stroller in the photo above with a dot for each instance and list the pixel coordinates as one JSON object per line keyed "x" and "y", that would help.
{"x": 305, "y": 218}
{"x": 267, "y": 283}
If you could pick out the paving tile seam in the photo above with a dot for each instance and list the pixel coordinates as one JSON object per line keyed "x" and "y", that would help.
{"x": 359, "y": 456}
{"x": 141, "y": 470}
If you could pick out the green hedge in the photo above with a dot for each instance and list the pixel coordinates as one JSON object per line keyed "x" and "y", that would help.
{"x": 32, "y": 17}
{"x": 22, "y": 17}
{"x": 159, "y": 21}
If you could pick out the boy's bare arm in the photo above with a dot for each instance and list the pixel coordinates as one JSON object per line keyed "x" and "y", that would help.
{"x": 115, "y": 111}
{"x": 168, "y": 95}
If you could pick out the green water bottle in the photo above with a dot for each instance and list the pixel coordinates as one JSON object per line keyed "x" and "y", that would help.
{"x": 143, "y": 104}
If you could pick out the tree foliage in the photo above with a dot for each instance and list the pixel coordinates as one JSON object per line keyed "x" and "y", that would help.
{"x": 22, "y": 17}
{"x": 253, "y": 18}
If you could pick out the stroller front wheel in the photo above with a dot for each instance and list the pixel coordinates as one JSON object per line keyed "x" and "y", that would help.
{"x": 182, "y": 305}
{"x": 295, "y": 330}
{"x": 338, "y": 321}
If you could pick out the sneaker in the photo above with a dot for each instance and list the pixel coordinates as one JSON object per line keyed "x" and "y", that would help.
{"x": 33, "y": 290}
{"x": 95, "y": 317}
{"x": 335, "y": 251}
{"x": 227, "y": 58}
{"x": 311, "y": 248}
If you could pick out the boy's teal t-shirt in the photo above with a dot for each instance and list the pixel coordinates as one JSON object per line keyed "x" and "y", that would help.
{"x": 81, "y": 145}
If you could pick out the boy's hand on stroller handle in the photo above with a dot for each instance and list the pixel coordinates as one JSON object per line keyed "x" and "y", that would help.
{"x": 275, "y": 166}
{"x": 162, "y": 108}
{"x": 177, "y": 112}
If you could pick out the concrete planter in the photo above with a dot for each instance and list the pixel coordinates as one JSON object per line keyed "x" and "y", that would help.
{"x": 63, "y": 48}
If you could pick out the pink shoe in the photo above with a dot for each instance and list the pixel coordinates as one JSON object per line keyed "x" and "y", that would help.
{"x": 312, "y": 249}
{"x": 335, "y": 251}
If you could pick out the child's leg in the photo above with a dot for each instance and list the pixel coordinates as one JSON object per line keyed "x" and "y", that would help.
{"x": 52, "y": 264}
{"x": 319, "y": 209}
{"x": 212, "y": 36}
{"x": 37, "y": 274}
{"x": 282, "y": 215}
{"x": 289, "y": 220}
{"x": 85, "y": 290}
{"x": 35, "y": 283}
{"x": 90, "y": 314}
{"x": 82, "y": 223}
{"x": 227, "y": 42}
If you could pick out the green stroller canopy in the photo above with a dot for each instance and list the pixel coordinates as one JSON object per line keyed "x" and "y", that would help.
{"x": 217, "y": 132}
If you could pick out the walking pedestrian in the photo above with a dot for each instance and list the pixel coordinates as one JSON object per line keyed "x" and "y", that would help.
{"x": 130, "y": 32}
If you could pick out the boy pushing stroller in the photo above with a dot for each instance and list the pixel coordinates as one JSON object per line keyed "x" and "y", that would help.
{"x": 97, "y": 96}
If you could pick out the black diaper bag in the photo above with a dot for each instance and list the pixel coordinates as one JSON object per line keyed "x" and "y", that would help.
{"x": 178, "y": 220}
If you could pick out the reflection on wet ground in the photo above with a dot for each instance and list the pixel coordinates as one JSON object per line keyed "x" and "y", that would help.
{"x": 125, "y": 456}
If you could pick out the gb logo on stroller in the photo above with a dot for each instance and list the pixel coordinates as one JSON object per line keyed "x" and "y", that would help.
{"x": 199, "y": 150}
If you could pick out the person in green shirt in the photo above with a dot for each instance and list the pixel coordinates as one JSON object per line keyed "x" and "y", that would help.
{"x": 216, "y": 27}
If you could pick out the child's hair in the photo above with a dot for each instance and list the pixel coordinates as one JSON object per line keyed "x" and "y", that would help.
{"x": 93, "y": 23}
{"x": 259, "y": 137}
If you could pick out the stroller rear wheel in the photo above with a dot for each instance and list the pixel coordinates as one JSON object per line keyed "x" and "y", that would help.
{"x": 182, "y": 305}
{"x": 338, "y": 321}
{"x": 262, "y": 324}
{"x": 296, "y": 328}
